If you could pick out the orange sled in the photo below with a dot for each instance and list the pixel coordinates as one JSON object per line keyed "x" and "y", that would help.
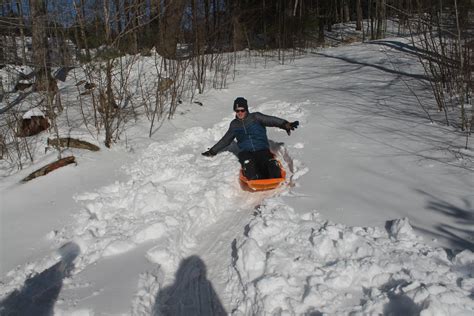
{"x": 262, "y": 184}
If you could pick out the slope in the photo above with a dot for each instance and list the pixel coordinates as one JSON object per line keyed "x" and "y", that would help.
{"x": 174, "y": 220}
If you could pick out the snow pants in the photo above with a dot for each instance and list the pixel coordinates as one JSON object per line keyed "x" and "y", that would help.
{"x": 259, "y": 165}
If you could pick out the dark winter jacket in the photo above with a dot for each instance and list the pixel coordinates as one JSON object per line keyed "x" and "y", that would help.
{"x": 250, "y": 132}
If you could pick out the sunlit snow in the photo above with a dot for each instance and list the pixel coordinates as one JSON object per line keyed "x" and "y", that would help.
{"x": 376, "y": 216}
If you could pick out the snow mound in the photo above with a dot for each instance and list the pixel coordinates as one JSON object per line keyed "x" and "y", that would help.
{"x": 286, "y": 263}
{"x": 400, "y": 229}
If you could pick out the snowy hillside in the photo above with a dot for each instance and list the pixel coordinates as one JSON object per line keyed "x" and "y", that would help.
{"x": 376, "y": 216}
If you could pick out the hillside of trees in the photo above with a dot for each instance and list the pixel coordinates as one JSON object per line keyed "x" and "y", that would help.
{"x": 133, "y": 26}
{"x": 195, "y": 45}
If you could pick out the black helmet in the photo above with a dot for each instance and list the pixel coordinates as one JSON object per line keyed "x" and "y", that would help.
{"x": 241, "y": 103}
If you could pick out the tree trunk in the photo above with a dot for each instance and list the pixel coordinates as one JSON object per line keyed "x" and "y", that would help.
{"x": 207, "y": 29}
{"x": 380, "y": 12}
{"x": 171, "y": 27}
{"x": 82, "y": 24}
{"x": 320, "y": 14}
{"x": 118, "y": 16}
{"x": 50, "y": 167}
{"x": 22, "y": 32}
{"x": 3, "y": 59}
{"x": 359, "y": 16}
{"x": 40, "y": 44}
{"x": 371, "y": 17}
{"x": 72, "y": 143}
{"x": 347, "y": 16}
{"x": 238, "y": 32}
{"x": 134, "y": 12}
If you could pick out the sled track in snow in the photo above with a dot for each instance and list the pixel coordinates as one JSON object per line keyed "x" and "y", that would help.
{"x": 226, "y": 211}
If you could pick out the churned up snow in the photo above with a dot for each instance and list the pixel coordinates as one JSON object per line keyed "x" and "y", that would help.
{"x": 289, "y": 263}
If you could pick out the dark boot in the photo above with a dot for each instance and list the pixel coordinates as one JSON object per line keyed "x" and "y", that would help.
{"x": 250, "y": 169}
{"x": 273, "y": 169}
{"x": 248, "y": 162}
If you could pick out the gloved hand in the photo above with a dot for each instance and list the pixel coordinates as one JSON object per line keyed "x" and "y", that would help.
{"x": 209, "y": 153}
{"x": 290, "y": 126}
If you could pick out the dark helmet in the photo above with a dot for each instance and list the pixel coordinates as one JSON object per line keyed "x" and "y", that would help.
{"x": 241, "y": 103}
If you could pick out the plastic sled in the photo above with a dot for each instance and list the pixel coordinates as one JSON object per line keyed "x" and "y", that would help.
{"x": 262, "y": 184}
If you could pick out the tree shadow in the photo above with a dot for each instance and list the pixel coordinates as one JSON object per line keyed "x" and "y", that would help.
{"x": 416, "y": 51}
{"x": 190, "y": 294}
{"x": 402, "y": 47}
{"x": 460, "y": 235}
{"x": 40, "y": 292}
{"x": 392, "y": 71}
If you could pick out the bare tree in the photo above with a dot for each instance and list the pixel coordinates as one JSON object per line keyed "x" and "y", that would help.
{"x": 359, "y": 15}
{"x": 40, "y": 44}
{"x": 170, "y": 27}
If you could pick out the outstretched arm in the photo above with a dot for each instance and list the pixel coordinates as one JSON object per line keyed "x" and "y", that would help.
{"x": 221, "y": 144}
{"x": 270, "y": 121}
{"x": 273, "y": 121}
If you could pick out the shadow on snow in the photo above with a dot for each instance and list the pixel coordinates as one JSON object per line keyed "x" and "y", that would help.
{"x": 459, "y": 236}
{"x": 190, "y": 294}
{"x": 385, "y": 69}
{"x": 399, "y": 304}
{"x": 40, "y": 292}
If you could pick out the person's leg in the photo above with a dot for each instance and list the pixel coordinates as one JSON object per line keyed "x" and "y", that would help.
{"x": 269, "y": 165}
{"x": 261, "y": 158}
{"x": 274, "y": 170}
{"x": 247, "y": 160}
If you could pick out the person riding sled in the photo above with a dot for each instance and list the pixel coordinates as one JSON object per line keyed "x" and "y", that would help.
{"x": 250, "y": 131}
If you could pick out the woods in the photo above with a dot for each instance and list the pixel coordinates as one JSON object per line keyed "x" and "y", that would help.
{"x": 132, "y": 26}
{"x": 195, "y": 46}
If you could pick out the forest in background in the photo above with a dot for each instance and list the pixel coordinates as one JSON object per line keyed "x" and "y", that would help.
{"x": 195, "y": 46}
{"x": 134, "y": 26}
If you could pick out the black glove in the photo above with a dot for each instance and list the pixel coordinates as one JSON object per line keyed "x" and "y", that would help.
{"x": 291, "y": 126}
{"x": 209, "y": 153}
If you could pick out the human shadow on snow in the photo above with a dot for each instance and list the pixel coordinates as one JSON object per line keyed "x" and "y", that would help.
{"x": 190, "y": 294}
{"x": 40, "y": 292}
{"x": 399, "y": 304}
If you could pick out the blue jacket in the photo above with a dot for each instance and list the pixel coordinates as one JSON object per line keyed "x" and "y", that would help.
{"x": 250, "y": 132}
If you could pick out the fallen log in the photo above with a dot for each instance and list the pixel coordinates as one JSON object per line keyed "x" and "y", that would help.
{"x": 50, "y": 167}
{"x": 72, "y": 142}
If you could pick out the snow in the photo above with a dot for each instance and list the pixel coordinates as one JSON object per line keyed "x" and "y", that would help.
{"x": 33, "y": 112}
{"x": 291, "y": 263}
{"x": 376, "y": 216}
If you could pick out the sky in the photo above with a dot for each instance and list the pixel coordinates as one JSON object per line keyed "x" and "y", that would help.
{"x": 375, "y": 215}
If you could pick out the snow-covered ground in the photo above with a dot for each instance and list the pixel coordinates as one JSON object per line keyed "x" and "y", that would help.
{"x": 376, "y": 217}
